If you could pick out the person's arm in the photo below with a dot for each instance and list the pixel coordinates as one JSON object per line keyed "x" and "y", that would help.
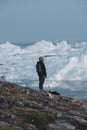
{"x": 45, "y": 73}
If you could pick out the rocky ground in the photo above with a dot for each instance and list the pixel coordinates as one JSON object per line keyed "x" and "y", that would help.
{"x": 26, "y": 109}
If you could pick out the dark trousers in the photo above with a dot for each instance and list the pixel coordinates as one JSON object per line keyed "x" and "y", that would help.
{"x": 41, "y": 80}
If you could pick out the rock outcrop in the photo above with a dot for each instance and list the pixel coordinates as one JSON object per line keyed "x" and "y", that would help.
{"x": 26, "y": 109}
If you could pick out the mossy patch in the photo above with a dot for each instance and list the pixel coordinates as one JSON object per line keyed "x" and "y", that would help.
{"x": 39, "y": 119}
{"x": 3, "y": 129}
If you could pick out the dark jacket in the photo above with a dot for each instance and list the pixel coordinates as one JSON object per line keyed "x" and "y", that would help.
{"x": 40, "y": 67}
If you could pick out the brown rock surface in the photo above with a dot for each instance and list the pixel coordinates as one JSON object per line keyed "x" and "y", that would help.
{"x": 26, "y": 109}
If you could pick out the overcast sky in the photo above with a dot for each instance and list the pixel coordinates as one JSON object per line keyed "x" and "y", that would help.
{"x": 35, "y": 20}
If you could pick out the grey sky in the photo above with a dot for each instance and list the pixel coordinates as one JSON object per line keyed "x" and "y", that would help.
{"x": 34, "y": 20}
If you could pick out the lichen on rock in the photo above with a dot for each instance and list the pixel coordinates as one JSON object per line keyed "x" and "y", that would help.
{"x": 26, "y": 109}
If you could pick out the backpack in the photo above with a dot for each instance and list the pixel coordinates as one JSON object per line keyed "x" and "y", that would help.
{"x": 38, "y": 67}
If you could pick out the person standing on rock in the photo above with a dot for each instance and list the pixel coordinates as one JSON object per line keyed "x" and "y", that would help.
{"x": 41, "y": 71}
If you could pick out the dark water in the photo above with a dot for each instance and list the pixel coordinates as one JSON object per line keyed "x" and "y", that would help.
{"x": 75, "y": 89}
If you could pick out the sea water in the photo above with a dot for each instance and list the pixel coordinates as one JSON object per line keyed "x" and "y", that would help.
{"x": 66, "y": 65}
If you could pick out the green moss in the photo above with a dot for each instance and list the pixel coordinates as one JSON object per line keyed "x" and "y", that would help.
{"x": 3, "y": 129}
{"x": 38, "y": 119}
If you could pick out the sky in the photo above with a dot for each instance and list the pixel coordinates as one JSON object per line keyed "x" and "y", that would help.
{"x": 35, "y": 20}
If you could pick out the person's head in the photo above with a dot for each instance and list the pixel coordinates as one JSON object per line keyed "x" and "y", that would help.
{"x": 41, "y": 58}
